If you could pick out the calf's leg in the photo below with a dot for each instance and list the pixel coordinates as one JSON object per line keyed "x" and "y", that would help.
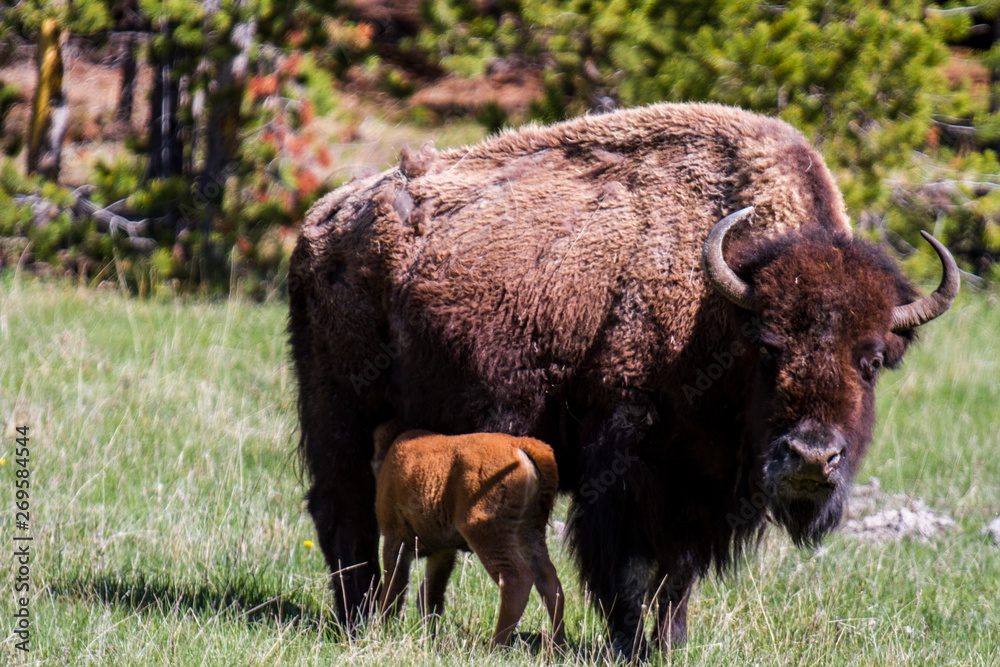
{"x": 430, "y": 598}
{"x": 515, "y": 588}
{"x": 547, "y": 582}
{"x": 396, "y": 557}
{"x": 508, "y": 569}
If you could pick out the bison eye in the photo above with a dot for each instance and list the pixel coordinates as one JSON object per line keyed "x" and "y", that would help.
{"x": 871, "y": 367}
{"x": 768, "y": 356}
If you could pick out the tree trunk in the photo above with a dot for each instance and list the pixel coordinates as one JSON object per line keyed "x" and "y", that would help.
{"x": 222, "y": 130}
{"x": 166, "y": 149}
{"x": 50, "y": 114}
{"x": 222, "y": 138}
{"x": 127, "y": 96}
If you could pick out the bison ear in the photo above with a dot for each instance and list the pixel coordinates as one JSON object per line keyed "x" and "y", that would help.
{"x": 896, "y": 344}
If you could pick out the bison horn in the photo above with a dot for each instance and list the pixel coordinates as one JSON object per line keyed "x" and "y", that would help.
{"x": 719, "y": 274}
{"x": 926, "y": 309}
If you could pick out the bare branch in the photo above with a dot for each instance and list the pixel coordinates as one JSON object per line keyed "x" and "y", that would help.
{"x": 954, "y": 11}
{"x": 107, "y": 221}
{"x": 963, "y": 130}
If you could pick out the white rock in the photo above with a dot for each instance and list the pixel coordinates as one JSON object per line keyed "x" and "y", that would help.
{"x": 993, "y": 527}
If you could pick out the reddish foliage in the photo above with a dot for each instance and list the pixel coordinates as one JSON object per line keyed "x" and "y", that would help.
{"x": 323, "y": 157}
{"x": 293, "y": 64}
{"x": 933, "y": 136}
{"x": 263, "y": 86}
{"x": 367, "y": 32}
{"x": 306, "y": 112}
{"x": 296, "y": 145}
{"x": 306, "y": 183}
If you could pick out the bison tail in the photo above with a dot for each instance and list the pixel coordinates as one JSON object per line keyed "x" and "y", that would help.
{"x": 543, "y": 458}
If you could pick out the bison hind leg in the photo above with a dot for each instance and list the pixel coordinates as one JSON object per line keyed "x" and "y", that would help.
{"x": 337, "y": 452}
{"x": 349, "y": 542}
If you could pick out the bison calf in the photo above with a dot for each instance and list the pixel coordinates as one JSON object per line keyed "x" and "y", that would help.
{"x": 484, "y": 492}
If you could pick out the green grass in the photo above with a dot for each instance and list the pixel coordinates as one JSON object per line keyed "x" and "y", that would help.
{"x": 169, "y": 529}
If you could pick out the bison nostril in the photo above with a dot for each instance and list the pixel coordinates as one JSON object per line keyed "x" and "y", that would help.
{"x": 787, "y": 449}
{"x": 811, "y": 460}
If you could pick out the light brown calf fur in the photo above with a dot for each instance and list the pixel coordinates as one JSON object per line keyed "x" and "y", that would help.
{"x": 488, "y": 493}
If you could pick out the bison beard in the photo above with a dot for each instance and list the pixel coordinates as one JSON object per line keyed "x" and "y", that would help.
{"x": 575, "y": 284}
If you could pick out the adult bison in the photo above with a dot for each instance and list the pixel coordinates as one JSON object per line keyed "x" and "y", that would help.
{"x": 576, "y": 283}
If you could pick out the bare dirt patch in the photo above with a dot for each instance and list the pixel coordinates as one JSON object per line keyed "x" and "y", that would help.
{"x": 876, "y": 515}
{"x": 512, "y": 89}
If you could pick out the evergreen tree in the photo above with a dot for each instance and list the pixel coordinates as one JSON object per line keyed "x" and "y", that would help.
{"x": 859, "y": 78}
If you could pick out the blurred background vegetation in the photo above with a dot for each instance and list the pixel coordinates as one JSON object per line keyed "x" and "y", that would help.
{"x": 174, "y": 146}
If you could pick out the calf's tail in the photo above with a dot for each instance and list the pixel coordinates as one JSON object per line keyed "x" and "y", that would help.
{"x": 545, "y": 461}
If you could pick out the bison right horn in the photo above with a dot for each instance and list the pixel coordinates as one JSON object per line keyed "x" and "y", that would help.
{"x": 926, "y": 309}
{"x": 718, "y": 272}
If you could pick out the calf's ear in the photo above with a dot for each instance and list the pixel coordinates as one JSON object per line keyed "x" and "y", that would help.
{"x": 384, "y": 436}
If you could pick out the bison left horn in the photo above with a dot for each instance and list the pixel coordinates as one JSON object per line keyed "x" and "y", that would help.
{"x": 926, "y": 309}
{"x": 719, "y": 274}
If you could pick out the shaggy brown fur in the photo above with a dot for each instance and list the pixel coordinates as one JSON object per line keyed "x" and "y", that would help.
{"x": 548, "y": 283}
{"x": 489, "y": 493}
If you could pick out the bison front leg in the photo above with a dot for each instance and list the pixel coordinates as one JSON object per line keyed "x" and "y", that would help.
{"x": 608, "y": 533}
{"x": 609, "y": 552}
{"x": 671, "y": 621}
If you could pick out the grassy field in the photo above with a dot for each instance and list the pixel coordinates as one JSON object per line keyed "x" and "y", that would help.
{"x": 168, "y": 524}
